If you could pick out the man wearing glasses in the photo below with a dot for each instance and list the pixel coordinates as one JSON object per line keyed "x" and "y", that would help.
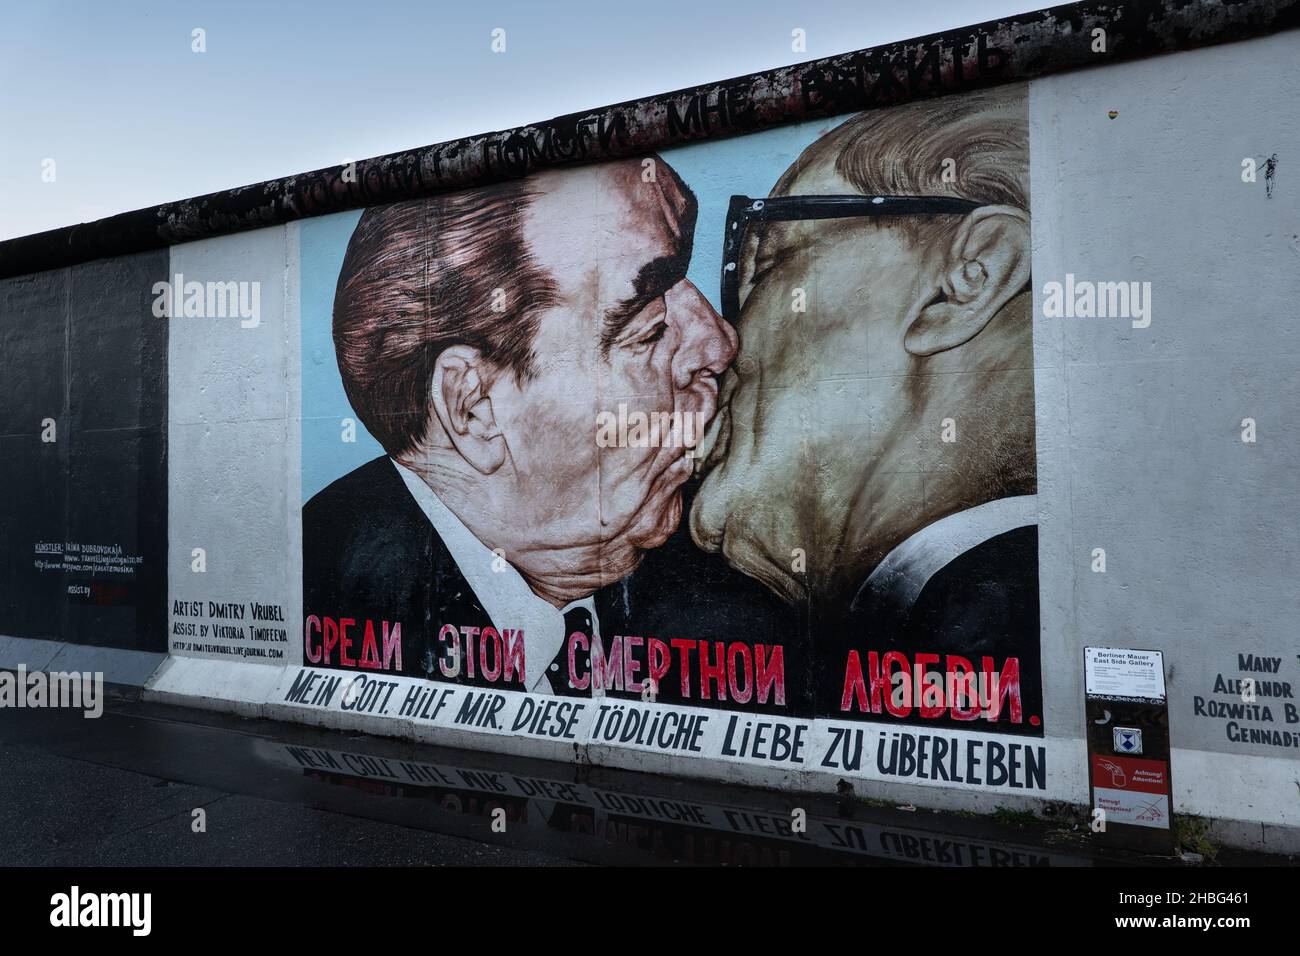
{"x": 873, "y": 458}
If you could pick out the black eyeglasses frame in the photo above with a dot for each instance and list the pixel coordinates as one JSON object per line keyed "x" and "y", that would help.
{"x": 744, "y": 210}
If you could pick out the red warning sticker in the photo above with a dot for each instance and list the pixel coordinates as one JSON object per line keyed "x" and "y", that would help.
{"x": 1130, "y": 774}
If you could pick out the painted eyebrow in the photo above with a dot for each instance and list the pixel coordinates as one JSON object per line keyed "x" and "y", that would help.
{"x": 654, "y": 279}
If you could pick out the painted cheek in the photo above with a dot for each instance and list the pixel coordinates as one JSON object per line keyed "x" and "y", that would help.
{"x": 644, "y": 379}
{"x": 556, "y": 434}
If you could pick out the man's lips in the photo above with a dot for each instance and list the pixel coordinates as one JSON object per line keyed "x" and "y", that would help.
{"x": 713, "y": 446}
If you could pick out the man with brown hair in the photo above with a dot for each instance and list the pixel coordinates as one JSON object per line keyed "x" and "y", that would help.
{"x": 480, "y": 335}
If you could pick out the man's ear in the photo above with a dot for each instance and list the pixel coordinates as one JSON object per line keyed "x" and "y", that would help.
{"x": 459, "y": 387}
{"x": 987, "y": 263}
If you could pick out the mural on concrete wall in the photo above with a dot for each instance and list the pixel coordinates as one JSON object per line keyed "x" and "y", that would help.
{"x": 597, "y": 471}
{"x": 744, "y": 452}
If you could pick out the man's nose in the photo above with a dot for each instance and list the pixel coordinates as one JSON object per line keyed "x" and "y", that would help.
{"x": 708, "y": 342}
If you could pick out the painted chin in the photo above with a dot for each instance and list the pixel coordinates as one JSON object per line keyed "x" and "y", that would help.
{"x": 660, "y": 530}
{"x": 731, "y": 521}
{"x": 712, "y": 506}
{"x": 750, "y": 558}
{"x": 662, "y": 511}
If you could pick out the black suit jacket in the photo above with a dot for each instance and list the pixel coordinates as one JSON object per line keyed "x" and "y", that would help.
{"x": 371, "y": 553}
{"x": 983, "y": 603}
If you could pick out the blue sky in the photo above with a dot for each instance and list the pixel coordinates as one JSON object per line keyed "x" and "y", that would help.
{"x": 112, "y": 92}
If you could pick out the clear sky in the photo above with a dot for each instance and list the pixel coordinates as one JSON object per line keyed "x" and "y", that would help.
{"x": 113, "y": 93}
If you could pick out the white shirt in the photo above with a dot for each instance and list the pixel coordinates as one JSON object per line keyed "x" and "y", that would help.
{"x": 907, "y": 569}
{"x": 504, "y": 594}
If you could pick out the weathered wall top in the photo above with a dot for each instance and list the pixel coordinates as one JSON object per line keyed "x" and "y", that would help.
{"x": 999, "y": 51}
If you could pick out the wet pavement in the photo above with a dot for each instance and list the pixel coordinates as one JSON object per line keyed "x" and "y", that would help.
{"x": 123, "y": 790}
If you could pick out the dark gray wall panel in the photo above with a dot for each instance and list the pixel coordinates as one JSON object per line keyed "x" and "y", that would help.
{"x": 82, "y": 347}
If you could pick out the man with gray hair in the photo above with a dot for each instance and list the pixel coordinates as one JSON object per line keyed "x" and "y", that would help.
{"x": 873, "y": 457}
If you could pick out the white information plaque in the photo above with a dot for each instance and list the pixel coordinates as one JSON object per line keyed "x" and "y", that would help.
{"x": 1124, "y": 672}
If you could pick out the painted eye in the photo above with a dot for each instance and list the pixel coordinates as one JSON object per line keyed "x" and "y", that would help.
{"x": 760, "y": 271}
{"x": 654, "y": 335}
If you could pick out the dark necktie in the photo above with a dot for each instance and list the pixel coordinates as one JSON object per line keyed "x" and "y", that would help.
{"x": 577, "y": 620}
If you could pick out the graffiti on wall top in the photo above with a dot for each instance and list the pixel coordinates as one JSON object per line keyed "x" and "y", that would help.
{"x": 1034, "y": 43}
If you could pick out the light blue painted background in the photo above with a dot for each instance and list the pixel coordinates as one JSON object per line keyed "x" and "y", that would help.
{"x": 325, "y": 456}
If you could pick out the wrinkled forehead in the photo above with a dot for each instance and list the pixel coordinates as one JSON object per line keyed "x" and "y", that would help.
{"x": 609, "y": 211}
{"x": 814, "y": 174}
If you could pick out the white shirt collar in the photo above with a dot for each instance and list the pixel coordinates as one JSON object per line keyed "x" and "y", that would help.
{"x": 907, "y": 569}
{"x": 504, "y": 594}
